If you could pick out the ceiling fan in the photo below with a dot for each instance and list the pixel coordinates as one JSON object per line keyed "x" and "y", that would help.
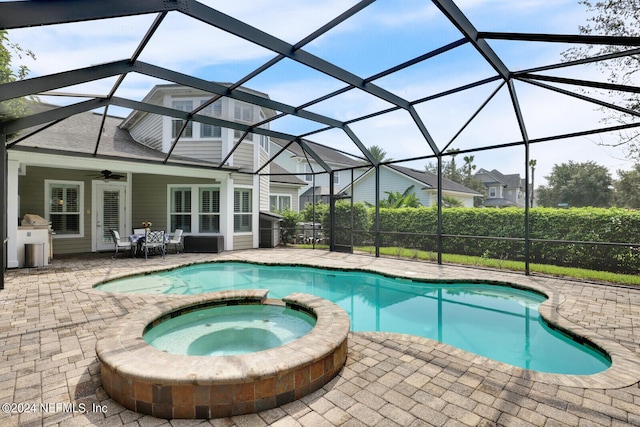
{"x": 107, "y": 175}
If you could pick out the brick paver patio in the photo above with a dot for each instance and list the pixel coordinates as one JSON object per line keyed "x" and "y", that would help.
{"x": 51, "y": 319}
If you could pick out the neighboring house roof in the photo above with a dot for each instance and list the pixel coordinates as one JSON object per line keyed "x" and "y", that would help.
{"x": 495, "y": 177}
{"x": 78, "y": 135}
{"x": 328, "y": 154}
{"x": 271, "y": 216}
{"x": 430, "y": 180}
{"x": 285, "y": 178}
{"x": 510, "y": 181}
{"x": 317, "y": 191}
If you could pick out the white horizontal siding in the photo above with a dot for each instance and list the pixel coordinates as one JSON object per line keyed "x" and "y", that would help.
{"x": 203, "y": 150}
{"x": 264, "y": 181}
{"x": 243, "y": 241}
{"x": 282, "y": 190}
{"x": 243, "y": 156}
{"x": 389, "y": 181}
{"x": 242, "y": 179}
{"x": 264, "y": 193}
{"x": 148, "y": 131}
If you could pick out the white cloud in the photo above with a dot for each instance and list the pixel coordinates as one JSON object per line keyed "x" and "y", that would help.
{"x": 288, "y": 20}
{"x": 192, "y": 47}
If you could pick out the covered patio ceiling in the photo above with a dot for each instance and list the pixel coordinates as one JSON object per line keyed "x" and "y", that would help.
{"x": 487, "y": 87}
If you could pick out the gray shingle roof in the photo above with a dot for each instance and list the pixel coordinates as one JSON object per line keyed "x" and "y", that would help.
{"x": 318, "y": 191}
{"x": 328, "y": 154}
{"x": 510, "y": 181}
{"x": 431, "y": 180}
{"x": 284, "y": 178}
{"x": 79, "y": 134}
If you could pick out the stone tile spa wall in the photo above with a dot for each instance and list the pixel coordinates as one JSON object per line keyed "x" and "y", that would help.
{"x": 147, "y": 380}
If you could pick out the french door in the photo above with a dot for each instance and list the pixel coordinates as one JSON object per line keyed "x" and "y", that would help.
{"x": 109, "y": 213}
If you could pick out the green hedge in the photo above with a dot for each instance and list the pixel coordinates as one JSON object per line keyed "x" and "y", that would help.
{"x": 416, "y": 228}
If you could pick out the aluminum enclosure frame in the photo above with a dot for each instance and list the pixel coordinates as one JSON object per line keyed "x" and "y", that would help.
{"x": 19, "y": 14}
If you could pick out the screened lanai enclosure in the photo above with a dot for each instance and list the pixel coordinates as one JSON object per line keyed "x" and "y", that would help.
{"x": 483, "y": 89}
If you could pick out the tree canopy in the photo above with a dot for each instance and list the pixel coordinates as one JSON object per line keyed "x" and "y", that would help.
{"x": 397, "y": 200}
{"x": 461, "y": 174}
{"x": 10, "y": 72}
{"x": 577, "y": 184}
{"x": 379, "y": 154}
{"x": 614, "y": 18}
{"x": 627, "y": 188}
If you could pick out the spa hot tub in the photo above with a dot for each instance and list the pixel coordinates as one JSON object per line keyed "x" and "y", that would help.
{"x": 225, "y": 330}
{"x": 157, "y": 382}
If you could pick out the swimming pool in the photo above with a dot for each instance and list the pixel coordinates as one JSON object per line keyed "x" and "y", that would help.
{"x": 498, "y": 322}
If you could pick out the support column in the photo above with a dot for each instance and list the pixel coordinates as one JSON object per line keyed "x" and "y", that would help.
{"x": 3, "y": 203}
{"x": 377, "y": 210}
{"x": 255, "y": 208}
{"x": 439, "y": 193}
{"x": 13, "y": 213}
{"x": 226, "y": 213}
{"x": 332, "y": 214}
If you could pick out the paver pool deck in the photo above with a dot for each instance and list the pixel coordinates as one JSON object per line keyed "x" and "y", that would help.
{"x": 51, "y": 318}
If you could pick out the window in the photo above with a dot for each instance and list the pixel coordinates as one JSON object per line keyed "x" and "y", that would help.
{"x": 64, "y": 207}
{"x": 201, "y": 215}
{"x": 264, "y": 140}
{"x": 238, "y": 133}
{"x": 212, "y": 110}
{"x": 180, "y": 209}
{"x": 176, "y": 124}
{"x": 264, "y": 143}
{"x": 242, "y": 210}
{"x": 243, "y": 112}
{"x": 493, "y": 191}
{"x": 309, "y": 173}
{"x": 279, "y": 203}
{"x": 209, "y": 214}
{"x": 336, "y": 177}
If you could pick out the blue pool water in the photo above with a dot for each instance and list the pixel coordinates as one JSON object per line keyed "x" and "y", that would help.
{"x": 498, "y": 322}
{"x": 229, "y": 330}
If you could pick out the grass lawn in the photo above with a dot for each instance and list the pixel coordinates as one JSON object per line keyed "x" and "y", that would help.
{"x": 500, "y": 264}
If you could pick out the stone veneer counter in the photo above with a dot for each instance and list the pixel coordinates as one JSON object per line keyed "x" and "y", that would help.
{"x": 147, "y": 380}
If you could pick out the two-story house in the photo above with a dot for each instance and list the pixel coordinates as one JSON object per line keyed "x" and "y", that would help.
{"x": 502, "y": 190}
{"x": 91, "y": 173}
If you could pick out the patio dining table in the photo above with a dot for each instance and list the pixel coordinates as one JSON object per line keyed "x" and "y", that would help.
{"x": 138, "y": 239}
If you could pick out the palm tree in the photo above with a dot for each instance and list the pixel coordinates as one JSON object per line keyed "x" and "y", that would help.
{"x": 469, "y": 166}
{"x": 532, "y": 165}
{"x": 397, "y": 200}
{"x": 379, "y": 154}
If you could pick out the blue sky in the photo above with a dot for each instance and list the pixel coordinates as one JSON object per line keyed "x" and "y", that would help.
{"x": 385, "y": 34}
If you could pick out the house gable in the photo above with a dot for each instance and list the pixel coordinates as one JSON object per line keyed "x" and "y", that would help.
{"x": 398, "y": 179}
{"x": 501, "y": 190}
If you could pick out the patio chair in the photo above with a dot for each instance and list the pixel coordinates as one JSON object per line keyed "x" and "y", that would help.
{"x": 176, "y": 240}
{"x": 153, "y": 240}
{"x": 119, "y": 244}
